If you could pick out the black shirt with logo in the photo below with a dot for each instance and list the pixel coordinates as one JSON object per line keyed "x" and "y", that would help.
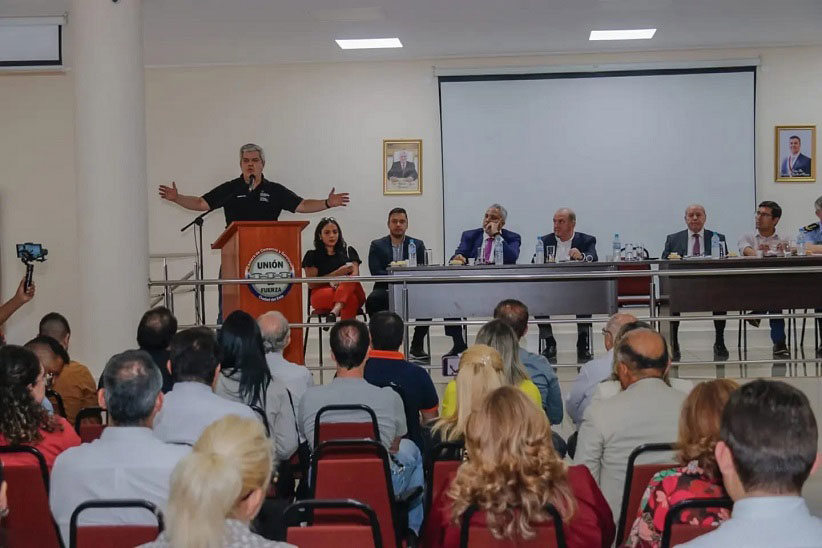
{"x": 264, "y": 203}
{"x": 325, "y": 263}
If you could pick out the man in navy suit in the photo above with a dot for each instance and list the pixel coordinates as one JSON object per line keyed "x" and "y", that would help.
{"x": 484, "y": 240}
{"x": 695, "y": 241}
{"x": 385, "y": 250}
{"x": 795, "y": 164}
{"x": 569, "y": 245}
{"x": 403, "y": 169}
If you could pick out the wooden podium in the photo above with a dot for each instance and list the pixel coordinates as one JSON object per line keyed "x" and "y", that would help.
{"x": 270, "y": 251}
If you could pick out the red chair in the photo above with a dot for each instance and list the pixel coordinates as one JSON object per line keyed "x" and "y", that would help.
{"x": 634, "y": 291}
{"x": 676, "y": 533}
{"x": 113, "y": 536}
{"x": 86, "y": 423}
{"x": 325, "y": 431}
{"x": 57, "y": 401}
{"x": 476, "y": 534}
{"x": 443, "y": 460}
{"x": 359, "y": 469}
{"x": 637, "y": 478}
{"x": 344, "y": 523}
{"x": 29, "y": 523}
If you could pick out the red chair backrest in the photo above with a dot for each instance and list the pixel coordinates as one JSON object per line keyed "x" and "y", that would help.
{"x": 29, "y": 523}
{"x": 442, "y": 473}
{"x": 89, "y": 432}
{"x": 323, "y": 536}
{"x": 345, "y": 430}
{"x": 682, "y": 532}
{"x": 115, "y": 536}
{"x": 703, "y": 510}
{"x": 637, "y": 477}
{"x": 344, "y": 522}
{"x": 634, "y": 290}
{"x": 89, "y": 423}
{"x": 547, "y": 535}
{"x": 359, "y": 470}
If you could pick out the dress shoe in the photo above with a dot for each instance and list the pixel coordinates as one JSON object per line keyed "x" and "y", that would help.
{"x": 676, "y": 355}
{"x": 584, "y": 354}
{"x": 720, "y": 351}
{"x": 456, "y": 350}
{"x": 417, "y": 354}
{"x": 330, "y": 318}
{"x": 550, "y": 351}
{"x": 754, "y": 322}
{"x": 780, "y": 350}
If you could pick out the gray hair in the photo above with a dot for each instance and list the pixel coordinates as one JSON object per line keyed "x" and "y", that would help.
{"x": 131, "y": 381}
{"x": 572, "y": 216}
{"x": 818, "y": 203}
{"x": 502, "y": 211}
{"x": 274, "y": 329}
{"x": 251, "y": 147}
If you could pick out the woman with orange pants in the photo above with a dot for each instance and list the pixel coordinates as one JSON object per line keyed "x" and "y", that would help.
{"x": 332, "y": 257}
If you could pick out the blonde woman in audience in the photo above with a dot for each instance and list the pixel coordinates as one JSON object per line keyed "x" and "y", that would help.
{"x": 480, "y": 372}
{"x": 697, "y": 476}
{"x": 511, "y": 473}
{"x": 499, "y": 335}
{"x": 219, "y": 488}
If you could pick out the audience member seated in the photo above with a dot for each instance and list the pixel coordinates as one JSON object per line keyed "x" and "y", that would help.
{"x": 511, "y": 472}
{"x": 244, "y": 378}
{"x": 349, "y": 348}
{"x": 697, "y": 475}
{"x": 23, "y": 419}
{"x": 597, "y": 370}
{"x": 542, "y": 374}
{"x": 218, "y": 489}
{"x": 276, "y": 335}
{"x": 56, "y": 326}
{"x": 480, "y": 372}
{"x": 72, "y": 380}
{"x": 8, "y": 308}
{"x": 191, "y": 405}
{"x": 331, "y": 256}
{"x": 499, "y": 336}
{"x": 645, "y": 411}
{"x": 154, "y": 333}
{"x": 766, "y": 451}
{"x": 127, "y": 461}
{"x": 386, "y": 365}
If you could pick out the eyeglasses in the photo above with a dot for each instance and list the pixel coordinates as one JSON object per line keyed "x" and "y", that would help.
{"x": 332, "y": 219}
{"x": 760, "y": 214}
{"x": 605, "y": 331}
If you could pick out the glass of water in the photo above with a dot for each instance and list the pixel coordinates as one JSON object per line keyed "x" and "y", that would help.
{"x": 550, "y": 253}
{"x": 429, "y": 256}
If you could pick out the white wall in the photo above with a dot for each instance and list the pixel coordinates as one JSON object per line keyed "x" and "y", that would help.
{"x": 322, "y": 125}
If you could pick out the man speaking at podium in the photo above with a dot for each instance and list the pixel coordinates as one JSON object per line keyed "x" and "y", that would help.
{"x": 252, "y": 197}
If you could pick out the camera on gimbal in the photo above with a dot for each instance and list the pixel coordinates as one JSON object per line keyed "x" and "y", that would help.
{"x": 29, "y": 253}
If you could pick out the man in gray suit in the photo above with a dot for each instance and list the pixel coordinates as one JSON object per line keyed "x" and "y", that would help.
{"x": 645, "y": 411}
{"x": 695, "y": 241}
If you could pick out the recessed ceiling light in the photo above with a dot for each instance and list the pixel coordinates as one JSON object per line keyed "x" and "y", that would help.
{"x": 628, "y": 34}
{"x": 370, "y": 43}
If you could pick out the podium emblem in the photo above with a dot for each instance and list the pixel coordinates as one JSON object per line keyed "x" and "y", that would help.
{"x": 270, "y": 264}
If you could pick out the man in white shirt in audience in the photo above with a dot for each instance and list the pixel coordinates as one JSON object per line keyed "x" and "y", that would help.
{"x": 128, "y": 461}
{"x": 766, "y": 451}
{"x": 276, "y": 337}
{"x": 192, "y": 405}
{"x": 645, "y": 411}
{"x": 765, "y": 240}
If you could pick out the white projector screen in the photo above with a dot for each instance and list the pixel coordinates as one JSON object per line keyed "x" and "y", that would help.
{"x": 626, "y": 151}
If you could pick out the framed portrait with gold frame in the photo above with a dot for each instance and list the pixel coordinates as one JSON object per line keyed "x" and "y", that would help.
{"x": 401, "y": 166}
{"x": 795, "y": 154}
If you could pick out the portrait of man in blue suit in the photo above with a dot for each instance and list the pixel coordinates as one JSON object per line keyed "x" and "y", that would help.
{"x": 795, "y": 164}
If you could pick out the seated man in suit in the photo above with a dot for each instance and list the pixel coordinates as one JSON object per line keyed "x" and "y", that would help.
{"x": 382, "y": 252}
{"x": 569, "y": 245}
{"x": 645, "y": 411}
{"x": 813, "y": 244}
{"x": 695, "y": 241}
{"x": 795, "y": 164}
{"x": 403, "y": 169}
{"x": 483, "y": 238}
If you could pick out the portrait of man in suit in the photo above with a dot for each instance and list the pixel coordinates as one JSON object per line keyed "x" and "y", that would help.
{"x": 402, "y": 164}
{"x": 795, "y": 154}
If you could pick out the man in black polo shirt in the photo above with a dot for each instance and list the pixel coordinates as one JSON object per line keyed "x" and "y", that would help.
{"x": 386, "y": 366}
{"x": 252, "y": 197}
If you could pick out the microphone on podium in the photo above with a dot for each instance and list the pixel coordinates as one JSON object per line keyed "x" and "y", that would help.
{"x": 251, "y": 182}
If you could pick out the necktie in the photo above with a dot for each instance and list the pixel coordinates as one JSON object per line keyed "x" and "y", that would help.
{"x": 486, "y": 252}
{"x": 696, "y": 250}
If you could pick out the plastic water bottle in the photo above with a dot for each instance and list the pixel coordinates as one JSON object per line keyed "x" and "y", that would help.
{"x": 715, "y": 246}
{"x": 412, "y": 253}
{"x": 498, "y": 257}
{"x": 539, "y": 253}
{"x": 617, "y": 247}
{"x": 800, "y": 243}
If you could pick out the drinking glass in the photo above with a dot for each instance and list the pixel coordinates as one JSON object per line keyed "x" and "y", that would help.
{"x": 550, "y": 253}
{"x": 429, "y": 256}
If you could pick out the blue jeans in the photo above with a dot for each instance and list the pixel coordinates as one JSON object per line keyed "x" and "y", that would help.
{"x": 406, "y": 473}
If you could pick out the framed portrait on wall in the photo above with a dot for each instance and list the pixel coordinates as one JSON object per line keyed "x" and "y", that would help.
{"x": 795, "y": 159}
{"x": 402, "y": 166}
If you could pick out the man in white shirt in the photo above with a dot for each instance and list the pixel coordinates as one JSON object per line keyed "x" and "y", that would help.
{"x": 276, "y": 337}
{"x": 192, "y": 405}
{"x": 645, "y": 411}
{"x": 764, "y": 240}
{"x": 766, "y": 451}
{"x": 128, "y": 461}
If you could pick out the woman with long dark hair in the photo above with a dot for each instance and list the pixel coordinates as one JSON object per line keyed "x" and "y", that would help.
{"x": 23, "y": 419}
{"x": 331, "y": 256}
{"x": 245, "y": 378}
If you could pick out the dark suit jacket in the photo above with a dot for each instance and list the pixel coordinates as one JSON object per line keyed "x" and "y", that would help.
{"x": 678, "y": 243}
{"x": 380, "y": 256}
{"x": 586, "y": 243}
{"x": 472, "y": 239}
{"x": 409, "y": 171}
{"x": 801, "y": 167}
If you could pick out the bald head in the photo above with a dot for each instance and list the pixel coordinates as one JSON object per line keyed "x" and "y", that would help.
{"x": 274, "y": 330}
{"x": 695, "y": 217}
{"x": 613, "y": 326}
{"x": 639, "y": 354}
